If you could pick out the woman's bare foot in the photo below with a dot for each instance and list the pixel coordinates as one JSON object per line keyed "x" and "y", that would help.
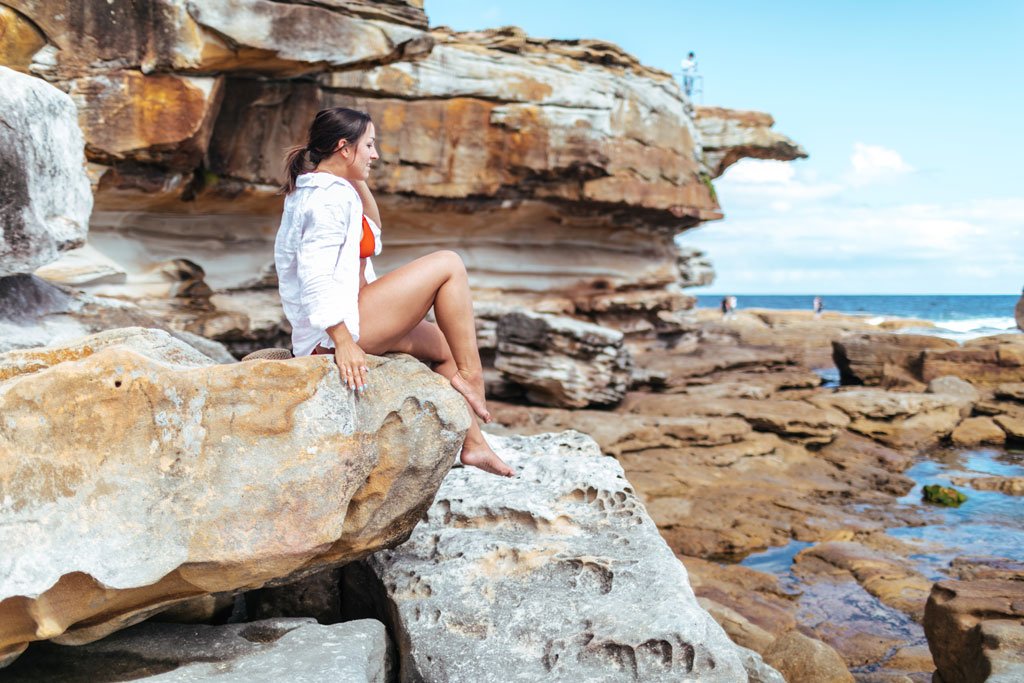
{"x": 474, "y": 396}
{"x": 483, "y": 457}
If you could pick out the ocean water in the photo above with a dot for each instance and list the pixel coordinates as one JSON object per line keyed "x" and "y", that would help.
{"x": 958, "y": 316}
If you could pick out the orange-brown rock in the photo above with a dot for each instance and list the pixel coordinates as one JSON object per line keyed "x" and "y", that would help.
{"x": 728, "y": 135}
{"x": 20, "y": 39}
{"x": 1018, "y": 313}
{"x": 801, "y": 659}
{"x": 975, "y": 431}
{"x": 155, "y": 119}
{"x": 892, "y": 361}
{"x": 975, "y": 630}
{"x": 1013, "y": 486}
{"x": 901, "y": 420}
{"x": 987, "y": 360}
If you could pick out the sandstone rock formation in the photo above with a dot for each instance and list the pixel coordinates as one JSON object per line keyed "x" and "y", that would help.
{"x": 268, "y": 650}
{"x": 562, "y": 362}
{"x": 800, "y": 658}
{"x": 728, "y": 135}
{"x": 976, "y": 630}
{"x": 902, "y": 420}
{"x": 986, "y": 360}
{"x": 891, "y": 361}
{"x": 557, "y": 575}
{"x": 45, "y": 198}
{"x": 568, "y": 156}
{"x": 136, "y": 474}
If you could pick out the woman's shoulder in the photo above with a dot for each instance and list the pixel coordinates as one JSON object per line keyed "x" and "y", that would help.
{"x": 326, "y": 187}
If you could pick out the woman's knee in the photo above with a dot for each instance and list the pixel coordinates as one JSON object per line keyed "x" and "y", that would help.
{"x": 450, "y": 261}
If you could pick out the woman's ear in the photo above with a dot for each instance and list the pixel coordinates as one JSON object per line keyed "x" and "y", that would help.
{"x": 341, "y": 145}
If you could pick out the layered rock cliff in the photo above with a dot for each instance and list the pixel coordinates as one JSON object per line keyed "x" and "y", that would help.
{"x": 558, "y": 169}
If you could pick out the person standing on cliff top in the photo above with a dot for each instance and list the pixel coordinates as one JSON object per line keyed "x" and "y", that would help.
{"x": 689, "y": 71}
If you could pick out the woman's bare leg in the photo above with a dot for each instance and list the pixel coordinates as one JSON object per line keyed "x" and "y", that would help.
{"x": 427, "y": 343}
{"x": 390, "y": 307}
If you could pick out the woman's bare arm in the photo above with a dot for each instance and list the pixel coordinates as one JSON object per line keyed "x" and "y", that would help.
{"x": 369, "y": 203}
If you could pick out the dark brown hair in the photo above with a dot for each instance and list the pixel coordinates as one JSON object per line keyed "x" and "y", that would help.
{"x": 329, "y": 126}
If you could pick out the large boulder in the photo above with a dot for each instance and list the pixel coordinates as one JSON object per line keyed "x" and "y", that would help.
{"x": 268, "y": 650}
{"x": 137, "y": 473}
{"x": 562, "y": 362}
{"x": 45, "y": 198}
{"x": 885, "y": 359}
{"x": 975, "y": 630}
{"x": 558, "y": 575}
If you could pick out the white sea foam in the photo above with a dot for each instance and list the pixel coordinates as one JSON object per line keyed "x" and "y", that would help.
{"x": 971, "y": 328}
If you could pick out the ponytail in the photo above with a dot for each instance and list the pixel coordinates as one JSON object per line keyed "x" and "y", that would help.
{"x": 328, "y": 127}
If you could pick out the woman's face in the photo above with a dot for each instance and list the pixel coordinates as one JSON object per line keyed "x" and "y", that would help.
{"x": 363, "y": 154}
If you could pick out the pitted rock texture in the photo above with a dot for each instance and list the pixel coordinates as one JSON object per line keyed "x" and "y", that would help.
{"x": 268, "y": 650}
{"x": 562, "y": 362}
{"x": 45, "y": 198}
{"x": 556, "y": 575}
{"x": 728, "y": 135}
{"x": 136, "y": 474}
{"x": 985, "y": 361}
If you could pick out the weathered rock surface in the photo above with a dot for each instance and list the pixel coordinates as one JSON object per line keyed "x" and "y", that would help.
{"x": 568, "y": 154}
{"x": 975, "y": 630}
{"x": 223, "y": 477}
{"x": 562, "y": 362}
{"x": 1013, "y": 486}
{"x": 901, "y": 420}
{"x": 985, "y": 361}
{"x": 976, "y": 431}
{"x": 268, "y": 650}
{"x": 799, "y": 658}
{"x": 590, "y": 593}
{"x": 892, "y": 361}
{"x": 35, "y": 313}
{"x": 728, "y": 135}
{"x": 45, "y": 198}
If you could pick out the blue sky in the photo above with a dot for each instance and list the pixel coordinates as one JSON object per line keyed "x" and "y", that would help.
{"x": 910, "y": 111}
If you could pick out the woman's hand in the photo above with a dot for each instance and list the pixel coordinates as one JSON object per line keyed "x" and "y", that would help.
{"x": 351, "y": 361}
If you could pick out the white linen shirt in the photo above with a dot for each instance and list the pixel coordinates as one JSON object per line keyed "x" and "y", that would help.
{"x": 317, "y": 258}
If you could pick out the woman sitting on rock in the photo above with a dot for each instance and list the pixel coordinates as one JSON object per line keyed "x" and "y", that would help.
{"x": 334, "y": 302}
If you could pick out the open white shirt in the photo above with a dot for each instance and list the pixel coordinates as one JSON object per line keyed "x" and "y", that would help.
{"x": 317, "y": 258}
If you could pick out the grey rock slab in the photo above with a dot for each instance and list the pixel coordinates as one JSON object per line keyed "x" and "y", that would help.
{"x": 273, "y": 650}
{"x": 45, "y": 199}
{"x": 556, "y": 575}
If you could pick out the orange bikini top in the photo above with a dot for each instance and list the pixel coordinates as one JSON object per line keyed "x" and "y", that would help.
{"x": 367, "y": 245}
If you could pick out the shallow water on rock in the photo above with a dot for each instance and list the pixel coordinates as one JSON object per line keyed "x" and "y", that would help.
{"x": 989, "y": 523}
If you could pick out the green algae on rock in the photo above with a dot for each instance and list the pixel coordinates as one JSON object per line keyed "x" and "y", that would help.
{"x": 943, "y": 495}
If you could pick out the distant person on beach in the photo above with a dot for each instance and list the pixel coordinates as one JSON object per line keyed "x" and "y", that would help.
{"x": 819, "y": 306}
{"x": 689, "y": 71}
{"x": 732, "y": 305}
{"x": 725, "y": 307}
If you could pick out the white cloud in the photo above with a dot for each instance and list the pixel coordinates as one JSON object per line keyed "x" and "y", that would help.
{"x": 777, "y": 180}
{"x": 829, "y": 246}
{"x": 874, "y": 162}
